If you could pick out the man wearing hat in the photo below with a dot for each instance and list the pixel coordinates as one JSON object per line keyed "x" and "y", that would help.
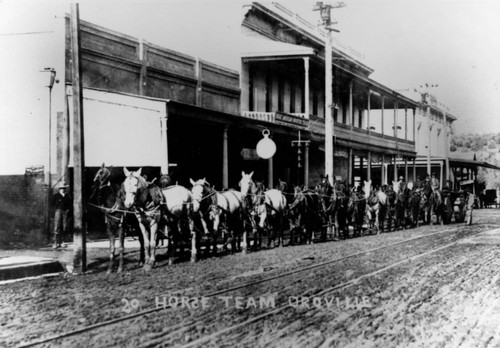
{"x": 62, "y": 203}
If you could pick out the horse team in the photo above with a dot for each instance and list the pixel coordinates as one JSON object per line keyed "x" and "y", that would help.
{"x": 190, "y": 216}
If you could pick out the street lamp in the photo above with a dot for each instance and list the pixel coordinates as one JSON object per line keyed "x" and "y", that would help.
{"x": 48, "y": 181}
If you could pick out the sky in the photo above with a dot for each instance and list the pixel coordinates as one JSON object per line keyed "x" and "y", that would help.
{"x": 454, "y": 44}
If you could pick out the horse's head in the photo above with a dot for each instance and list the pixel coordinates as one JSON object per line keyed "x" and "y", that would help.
{"x": 200, "y": 189}
{"x": 246, "y": 183}
{"x": 282, "y": 185}
{"x": 134, "y": 188}
{"x": 298, "y": 198}
{"x": 101, "y": 177}
{"x": 165, "y": 180}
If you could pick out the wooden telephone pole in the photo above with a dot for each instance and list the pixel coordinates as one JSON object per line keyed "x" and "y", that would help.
{"x": 79, "y": 233}
{"x": 325, "y": 13}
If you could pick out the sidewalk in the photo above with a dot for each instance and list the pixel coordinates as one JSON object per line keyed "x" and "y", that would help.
{"x": 16, "y": 264}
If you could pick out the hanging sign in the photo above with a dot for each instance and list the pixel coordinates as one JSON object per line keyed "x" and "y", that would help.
{"x": 266, "y": 148}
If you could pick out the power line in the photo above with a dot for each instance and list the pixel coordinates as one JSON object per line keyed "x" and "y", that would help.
{"x": 27, "y": 33}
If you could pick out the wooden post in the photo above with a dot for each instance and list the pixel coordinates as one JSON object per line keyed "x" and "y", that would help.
{"x": 368, "y": 107}
{"x": 414, "y": 170}
{"x": 306, "y": 86}
{"x": 351, "y": 110}
{"x": 199, "y": 82}
{"x": 164, "y": 141}
{"x": 270, "y": 173}
{"x": 306, "y": 165}
{"x": 406, "y": 169}
{"x": 225, "y": 158}
{"x": 79, "y": 235}
{"x": 382, "y": 171}
{"x": 369, "y": 166}
{"x": 382, "y": 115}
{"x": 349, "y": 170}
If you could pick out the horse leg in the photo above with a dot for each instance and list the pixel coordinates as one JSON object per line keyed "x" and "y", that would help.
{"x": 173, "y": 239}
{"x": 111, "y": 236}
{"x": 154, "y": 229}
{"x": 194, "y": 249}
{"x": 147, "y": 243}
{"x": 121, "y": 248}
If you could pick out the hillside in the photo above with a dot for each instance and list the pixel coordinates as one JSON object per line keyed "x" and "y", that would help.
{"x": 486, "y": 148}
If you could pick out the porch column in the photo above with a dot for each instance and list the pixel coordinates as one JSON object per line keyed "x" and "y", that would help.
{"x": 448, "y": 176}
{"x": 395, "y": 168}
{"x": 414, "y": 171}
{"x": 441, "y": 175}
{"x": 306, "y": 164}
{"x": 406, "y": 123}
{"x": 164, "y": 142}
{"x": 361, "y": 168}
{"x": 383, "y": 102}
{"x": 245, "y": 87}
{"x": 225, "y": 159}
{"x": 395, "y": 126}
{"x": 349, "y": 169}
{"x": 270, "y": 173}
{"x": 351, "y": 111}
{"x": 382, "y": 170}
{"x": 368, "y": 107}
{"x": 199, "y": 83}
{"x": 414, "y": 110}
{"x": 369, "y": 166}
{"x": 406, "y": 169}
{"x": 306, "y": 86}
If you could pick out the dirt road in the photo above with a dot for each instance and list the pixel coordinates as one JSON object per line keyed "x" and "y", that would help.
{"x": 447, "y": 298}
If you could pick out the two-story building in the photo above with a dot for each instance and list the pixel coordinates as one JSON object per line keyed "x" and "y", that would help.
{"x": 206, "y": 120}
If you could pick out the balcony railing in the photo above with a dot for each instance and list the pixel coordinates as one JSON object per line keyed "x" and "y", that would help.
{"x": 298, "y": 120}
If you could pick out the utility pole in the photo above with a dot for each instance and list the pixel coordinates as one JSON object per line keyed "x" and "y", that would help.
{"x": 325, "y": 13}
{"x": 79, "y": 233}
{"x": 48, "y": 179}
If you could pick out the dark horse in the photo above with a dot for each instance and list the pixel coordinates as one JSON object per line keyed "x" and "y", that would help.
{"x": 325, "y": 190}
{"x": 414, "y": 207}
{"x": 401, "y": 204}
{"x": 117, "y": 221}
{"x": 432, "y": 204}
{"x": 356, "y": 211}
{"x": 376, "y": 203}
{"x": 303, "y": 216}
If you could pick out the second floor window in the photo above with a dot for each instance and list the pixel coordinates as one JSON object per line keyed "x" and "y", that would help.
{"x": 292, "y": 96}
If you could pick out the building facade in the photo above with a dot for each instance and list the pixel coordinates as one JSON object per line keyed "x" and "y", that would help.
{"x": 210, "y": 118}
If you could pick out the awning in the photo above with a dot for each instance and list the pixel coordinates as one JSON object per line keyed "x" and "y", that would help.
{"x": 258, "y": 48}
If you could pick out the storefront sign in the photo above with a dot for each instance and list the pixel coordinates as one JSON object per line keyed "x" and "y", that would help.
{"x": 291, "y": 120}
{"x": 249, "y": 154}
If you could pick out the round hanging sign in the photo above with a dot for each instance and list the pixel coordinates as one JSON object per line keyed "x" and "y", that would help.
{"x": 266, "y": 148}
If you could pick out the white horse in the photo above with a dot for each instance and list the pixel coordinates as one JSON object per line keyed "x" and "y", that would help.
{"x": 271, "y": 213}
{"x": 227, "y": 211}
{"x": 375, "y": 205}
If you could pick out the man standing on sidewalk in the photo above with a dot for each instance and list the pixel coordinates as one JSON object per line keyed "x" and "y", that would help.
{"x": 62, "y": 203}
